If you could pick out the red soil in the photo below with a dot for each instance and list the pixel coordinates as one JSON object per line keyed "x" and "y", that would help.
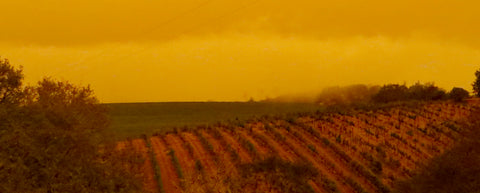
{"x": 169, "y": 176}
{"x": 149, "y": 182}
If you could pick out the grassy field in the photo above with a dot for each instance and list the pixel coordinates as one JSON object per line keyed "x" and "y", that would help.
{"x": 134, "y": 119}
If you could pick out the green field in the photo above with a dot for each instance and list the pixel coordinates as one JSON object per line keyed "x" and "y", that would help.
{"x": 134, "y": 119}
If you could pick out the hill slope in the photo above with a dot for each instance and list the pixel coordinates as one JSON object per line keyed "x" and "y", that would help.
{"x": 350, "y": 151}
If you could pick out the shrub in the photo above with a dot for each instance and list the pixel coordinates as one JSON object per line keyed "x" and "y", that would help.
{"x": 53, "y": 140}
{"x": 458, "y": 94}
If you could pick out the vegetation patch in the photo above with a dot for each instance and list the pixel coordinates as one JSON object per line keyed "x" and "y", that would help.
{"x": 178, "y": 168}
{"x": 285, "y": 176}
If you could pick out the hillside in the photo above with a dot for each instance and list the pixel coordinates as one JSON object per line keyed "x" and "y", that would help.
{"x": 345, "y": 151}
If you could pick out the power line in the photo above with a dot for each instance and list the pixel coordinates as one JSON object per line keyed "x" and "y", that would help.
{"x": 177, "y": 17}
{"x": 218, "y": 18}
{"x": 147, "y": 31}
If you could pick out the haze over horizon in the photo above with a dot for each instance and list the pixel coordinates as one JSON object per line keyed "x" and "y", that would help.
{"x": 201, "y": 50}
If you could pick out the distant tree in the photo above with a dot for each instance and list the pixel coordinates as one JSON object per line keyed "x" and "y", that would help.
{"x": 426, "y": 91}
{"x": 390, "y": 93}
{"x": 476, "y": 84}
{"x": 458, "y": 94}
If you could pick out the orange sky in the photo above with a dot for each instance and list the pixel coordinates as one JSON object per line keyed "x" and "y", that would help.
{"x": 223, "y": 50}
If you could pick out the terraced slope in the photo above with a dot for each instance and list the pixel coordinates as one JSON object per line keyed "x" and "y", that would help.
{"x": 354, "y": 151}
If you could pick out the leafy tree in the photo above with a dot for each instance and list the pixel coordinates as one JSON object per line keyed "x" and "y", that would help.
{"x": 426, "y": 91}
{"x": 390, "y": 93}
{"x": 458, "y": 94}
{"x": 52, "y": 140}
{"x": 476, "y": 84}
{"x": 10, "y": 83}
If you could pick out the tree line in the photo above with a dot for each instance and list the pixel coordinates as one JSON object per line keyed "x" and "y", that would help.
{"x": 361, "y": 93}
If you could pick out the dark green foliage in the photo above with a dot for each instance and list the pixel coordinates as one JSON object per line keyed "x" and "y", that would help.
{"x": 458, "y": 94}
{"x": 206, "y": 144}
{"x": 476, "y": 84}
{"x": 11, "y": 91}
{"x": 285, "y": 176}
{"x": 53, "y": 141}
{"x": 248, "y": 145}
{"x": 156, "y": 168}
{"x": 390, "y": 93}
{"x": 233, "y": 153}
{"x": 425, "y": 92}
{"x": 176, "y": 164}
{"x": 186, "y": 145}
{"x": 418, "y": 91}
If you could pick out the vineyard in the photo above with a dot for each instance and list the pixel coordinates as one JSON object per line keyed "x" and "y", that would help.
{"x": 344, "y": 151}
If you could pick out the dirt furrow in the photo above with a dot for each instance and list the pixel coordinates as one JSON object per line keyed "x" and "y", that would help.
{"x": 149, "y": 183}
{"x": 170, "y": 180}
{"x": 316, "y": 188}
{"x": 262, "y": 150}
{"x": 291, "y": 156}
{"x": 226, "y": 166}
{"x": 244, "y": 156}
{"x": 186, "y": 162}
{"x": 360, "y": 145}
{"x": 418, "y": 153}
{"x": 340, "y": 166}
{"x": 320, "y": 162}
{"x": 347, "y": 161}
{"x": 201, "y": 154}
{"x": 286, "y": 155}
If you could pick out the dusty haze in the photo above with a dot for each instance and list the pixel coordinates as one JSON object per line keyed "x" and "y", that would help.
{"x": 197, "y": 50}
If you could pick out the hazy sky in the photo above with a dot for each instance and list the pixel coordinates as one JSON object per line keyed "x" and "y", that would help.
{"x": 225, "y": 50}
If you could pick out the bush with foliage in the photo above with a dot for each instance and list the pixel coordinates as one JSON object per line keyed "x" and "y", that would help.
{"x": 391, "y": 93}
{"x": 52, "y": 139}
{"x": 458, "y": 94}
